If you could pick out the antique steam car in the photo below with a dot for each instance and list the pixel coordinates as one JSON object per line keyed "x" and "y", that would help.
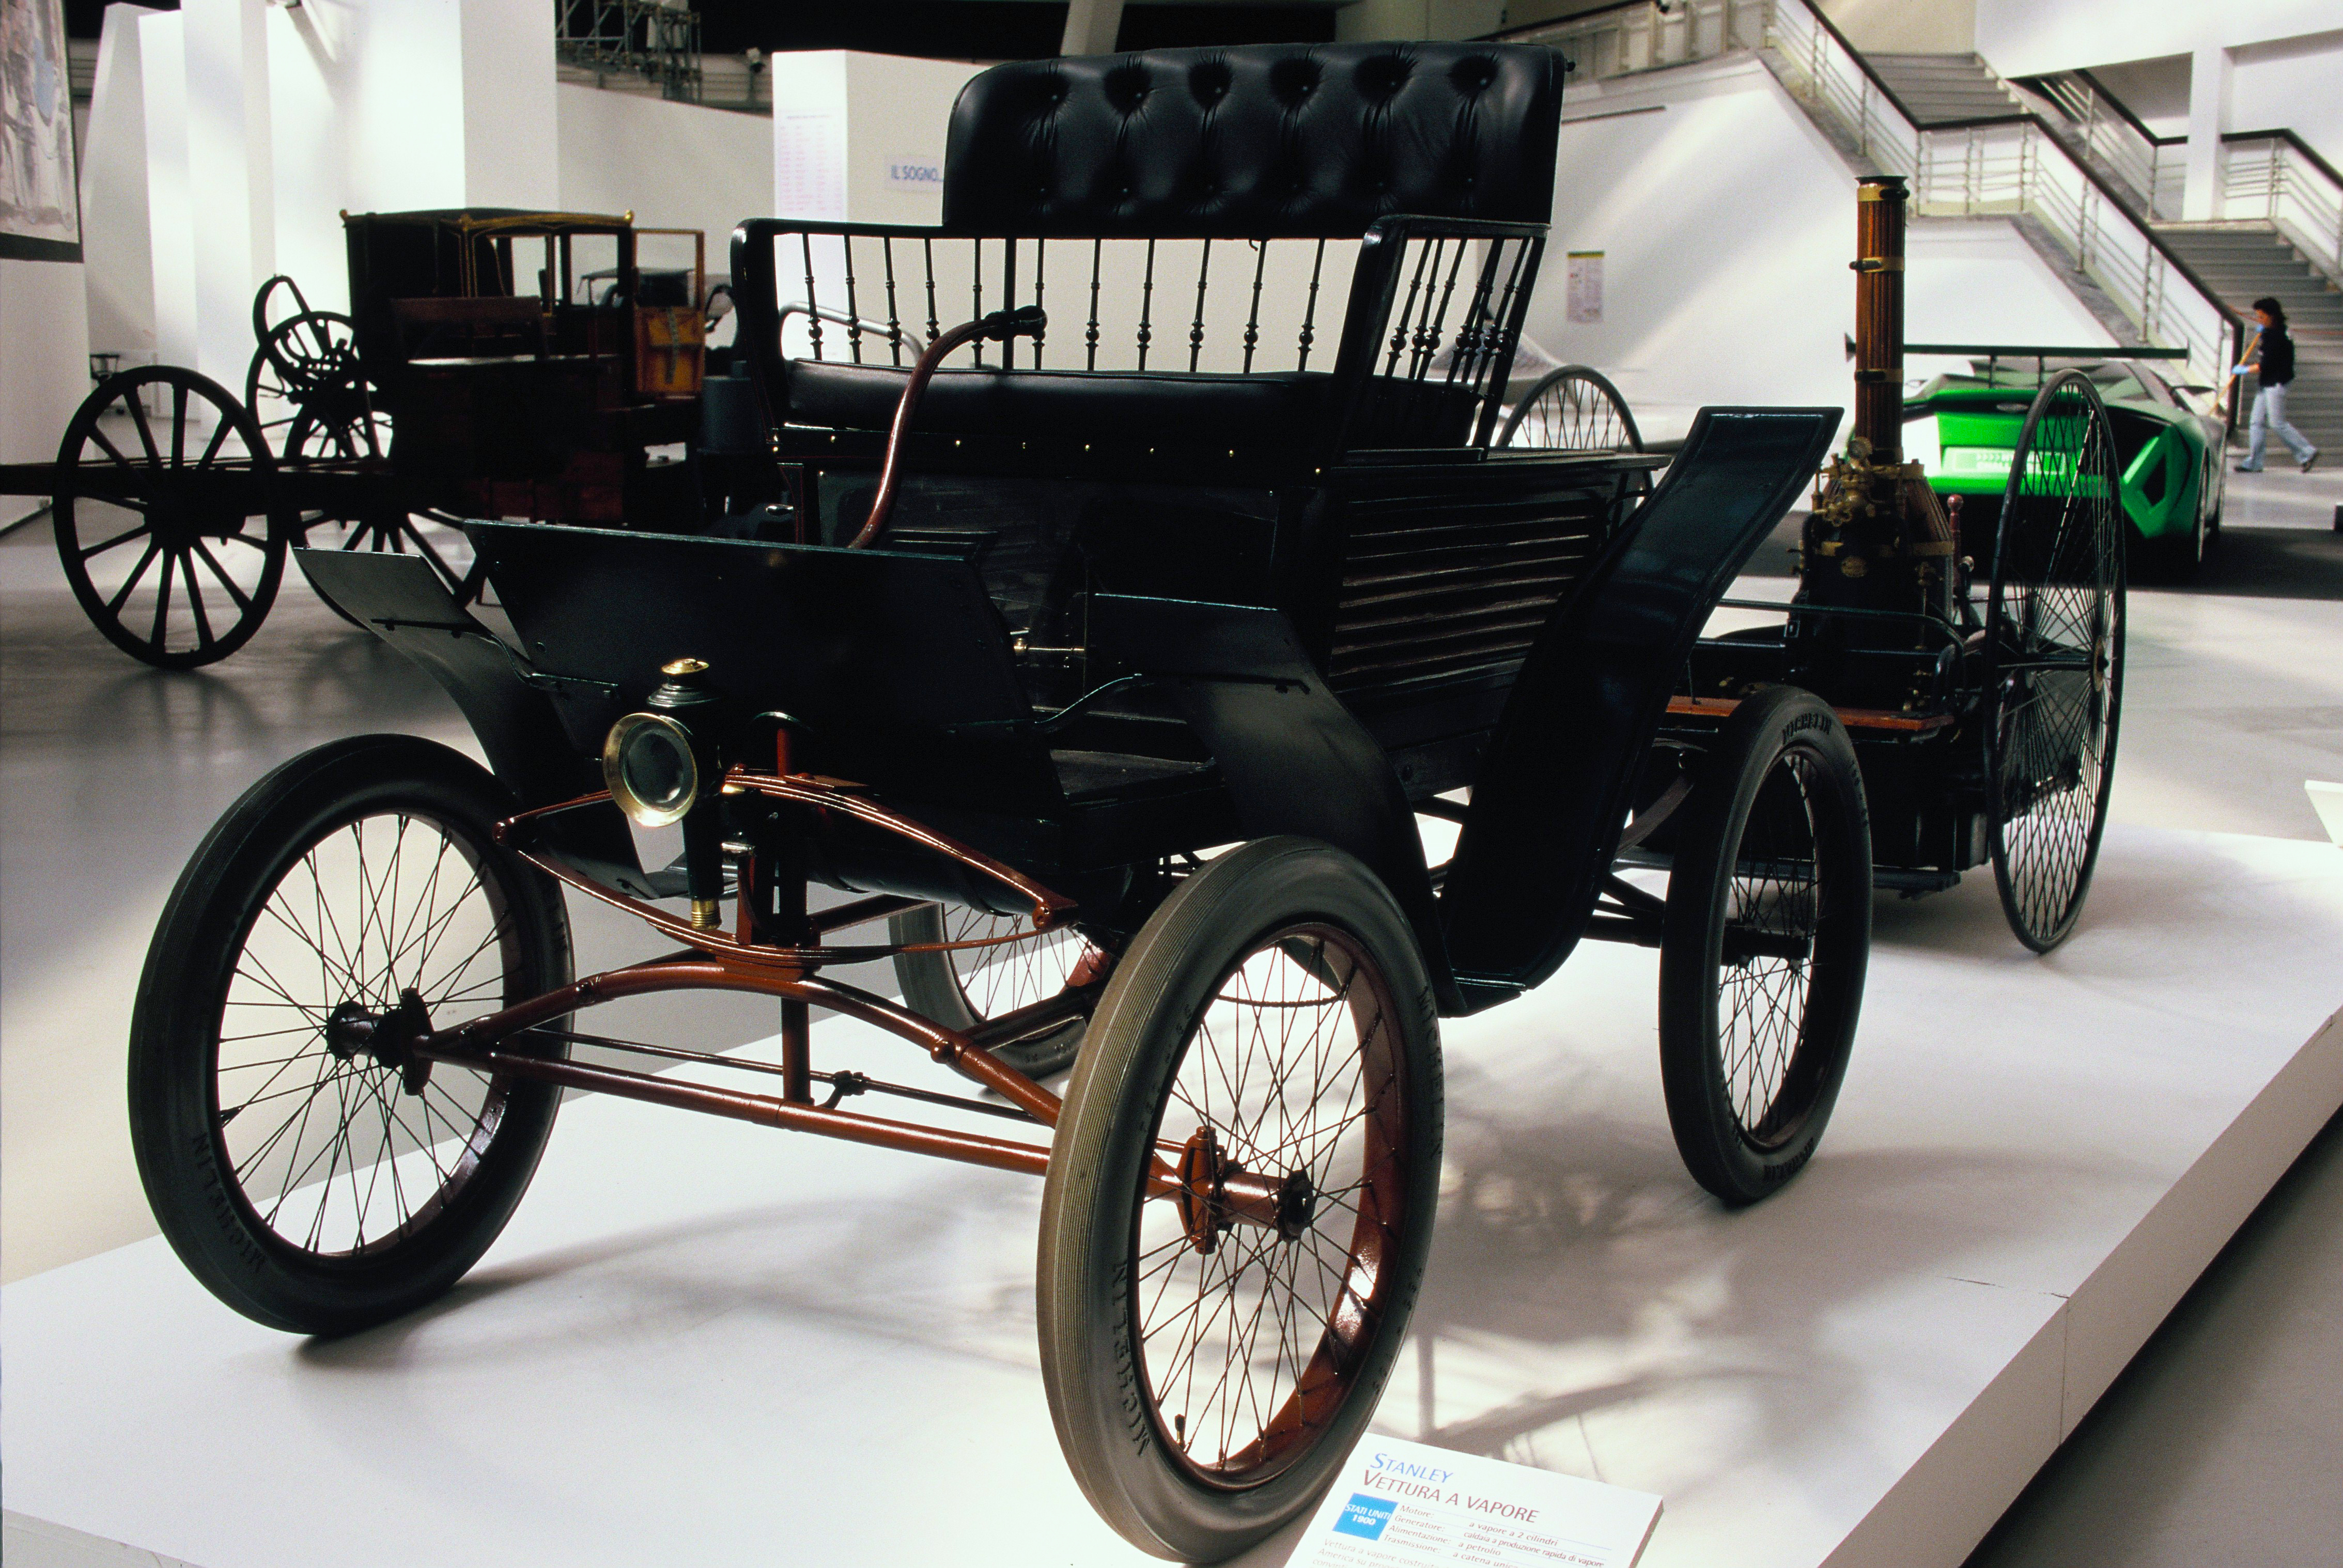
{"x": 1152, "y": 569}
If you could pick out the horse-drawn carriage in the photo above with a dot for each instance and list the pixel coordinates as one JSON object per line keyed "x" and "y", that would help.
{"x": 1126, "y": 632}
{"x": 494, "y": 364}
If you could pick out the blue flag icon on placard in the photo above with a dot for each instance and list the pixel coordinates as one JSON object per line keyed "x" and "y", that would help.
{"x": 1365, "y": 1516}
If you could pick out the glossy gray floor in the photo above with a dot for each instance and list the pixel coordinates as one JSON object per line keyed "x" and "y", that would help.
{"x": 110, "y": 773}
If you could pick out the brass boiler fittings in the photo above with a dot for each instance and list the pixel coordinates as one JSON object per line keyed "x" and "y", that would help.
{"x": 1879, "y": 538}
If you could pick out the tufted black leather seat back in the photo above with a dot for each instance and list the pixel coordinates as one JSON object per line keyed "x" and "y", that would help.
{"x": 1266, "y": 141}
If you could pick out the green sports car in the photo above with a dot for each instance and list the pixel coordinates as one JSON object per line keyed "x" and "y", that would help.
{"x": 1963, "y": 428}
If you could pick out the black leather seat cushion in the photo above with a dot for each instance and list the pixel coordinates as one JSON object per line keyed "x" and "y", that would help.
{"x": 1263, "y": 141}
{"x": 1284, "y": 410}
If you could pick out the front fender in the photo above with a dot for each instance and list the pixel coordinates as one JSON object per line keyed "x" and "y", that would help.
{"x": 403, "y": 601}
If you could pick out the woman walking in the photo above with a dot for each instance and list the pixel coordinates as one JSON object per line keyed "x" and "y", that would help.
{"x": 2272, "y": 360}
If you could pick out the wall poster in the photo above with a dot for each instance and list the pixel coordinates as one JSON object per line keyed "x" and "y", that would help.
{"x": 1585, "y": 286}
{"x": 40, "y": 213}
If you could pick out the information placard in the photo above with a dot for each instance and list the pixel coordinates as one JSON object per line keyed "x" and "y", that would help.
{"x": 1584, "y": 300}
{"x": 1401, "y": 1505}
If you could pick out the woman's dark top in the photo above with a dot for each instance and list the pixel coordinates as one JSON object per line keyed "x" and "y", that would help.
{"x": 2277, "y": 356}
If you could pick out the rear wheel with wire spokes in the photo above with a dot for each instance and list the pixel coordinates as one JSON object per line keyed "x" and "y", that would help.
{"x": 962, "y": 990}
{"x": 1239, "y": 1199}
{"x": 1766, "y": 939}
{"x": 2055, "y": 643}
{"x": 307, "y": 1172}
{"x": 168, "y": 522}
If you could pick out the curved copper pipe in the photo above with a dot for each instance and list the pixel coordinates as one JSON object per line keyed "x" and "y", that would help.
{"x": 999, "y": 327}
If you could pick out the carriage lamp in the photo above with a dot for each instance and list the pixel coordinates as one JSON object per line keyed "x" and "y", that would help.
{"x": 656, "y": 769}
{"x": 648, "y": 763}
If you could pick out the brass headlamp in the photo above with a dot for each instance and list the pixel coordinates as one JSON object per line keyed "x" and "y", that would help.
{"x": 648, "y": 764}
{"x": 659, "y": 771}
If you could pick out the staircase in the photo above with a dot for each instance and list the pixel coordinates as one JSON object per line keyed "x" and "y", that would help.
{"x": 2246, "y": 263}
{"x": 1945, "y": 89}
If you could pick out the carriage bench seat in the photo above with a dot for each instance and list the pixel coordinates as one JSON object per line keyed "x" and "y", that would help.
{"x": 1436, "y": 160}
{"x": 1283, "y": 410}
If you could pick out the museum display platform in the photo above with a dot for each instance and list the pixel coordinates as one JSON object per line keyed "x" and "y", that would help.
{"x": 702, "y": 1341}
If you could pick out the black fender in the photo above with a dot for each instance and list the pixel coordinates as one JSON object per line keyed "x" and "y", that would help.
{"x": 509, "y": 706}
{"x": 1555, "y": 783}
{"x": 1292, "y": 757}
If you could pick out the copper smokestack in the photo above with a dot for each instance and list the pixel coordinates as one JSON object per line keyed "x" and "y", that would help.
{"x": 1879, "y": 316}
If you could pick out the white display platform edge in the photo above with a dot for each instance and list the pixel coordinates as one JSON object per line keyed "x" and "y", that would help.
{"x": 1970, "y": 1475}
{"x": 1916, "y": 1323}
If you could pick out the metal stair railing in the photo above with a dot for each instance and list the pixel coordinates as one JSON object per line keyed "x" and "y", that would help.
{"x": 2155, "y": 167}
{"x": 2010, "y": 165}
{"x": 2272, "y": 176}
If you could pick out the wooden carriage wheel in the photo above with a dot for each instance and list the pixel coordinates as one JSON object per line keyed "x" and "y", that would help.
{"x": 175, "y": 542}
{"x": 2055, "y": 646}
{"x": 383, "y": 523}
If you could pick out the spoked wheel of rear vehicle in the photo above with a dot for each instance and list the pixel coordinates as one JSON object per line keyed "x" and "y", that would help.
{"x": 307, "y": 364}
{"x": 1573, "y": 409}
{"x": 2054, "y": 646}
{"x": 1766, "y": 939}
{"x": 967, "y": 987}
{"x": 1239, "y": 1199}
{"x": 306, "y": 1169}
{"x": 354, "y": 437}
{"x": 167, "y": 517}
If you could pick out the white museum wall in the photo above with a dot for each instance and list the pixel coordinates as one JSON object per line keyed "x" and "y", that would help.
{"x": 859, "y": 138}
{"x": 43, "y": 367}
{"x": 674, "y": 165}
{"x": 252, "y": 126}
{"x": 2029, "y": 38}
{"x": 2285, "y": 55}
{"x": 2155, "y": 90}
{"x": 2291, "y": 84}
{"x": 1904, "y": 27}
{"x": 1365, "y": 21}
{"x": 1726, "y": 224}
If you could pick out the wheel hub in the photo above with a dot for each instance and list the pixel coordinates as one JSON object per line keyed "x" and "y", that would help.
{"x": 353, "y": 1028}
{"x": 1215, "y": 1193}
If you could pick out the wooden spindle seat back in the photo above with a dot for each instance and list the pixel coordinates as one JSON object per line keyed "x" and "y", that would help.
{"x": 1305, "y": 250}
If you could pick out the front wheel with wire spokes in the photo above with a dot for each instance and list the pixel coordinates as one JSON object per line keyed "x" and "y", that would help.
{"x": 309, "y": 1172}
{"x": 1765, "y": 942}
{"x": 1239, "y": 1199}
{"x": 2055, "y": 643}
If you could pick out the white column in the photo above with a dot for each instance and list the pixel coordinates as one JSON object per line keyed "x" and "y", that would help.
{"x": 118, "y": 264}
{"x": 2209, "y": 117}
{"x": 311, "y": 124}
{"x": 230, "y": 177}
{"x": 1091, "y": 26}
{"x": 170, "y": 214}
{"x": 512, "y": 147}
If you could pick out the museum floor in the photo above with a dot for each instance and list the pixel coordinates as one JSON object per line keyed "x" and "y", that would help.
{"x": 2218, "y": 1442}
